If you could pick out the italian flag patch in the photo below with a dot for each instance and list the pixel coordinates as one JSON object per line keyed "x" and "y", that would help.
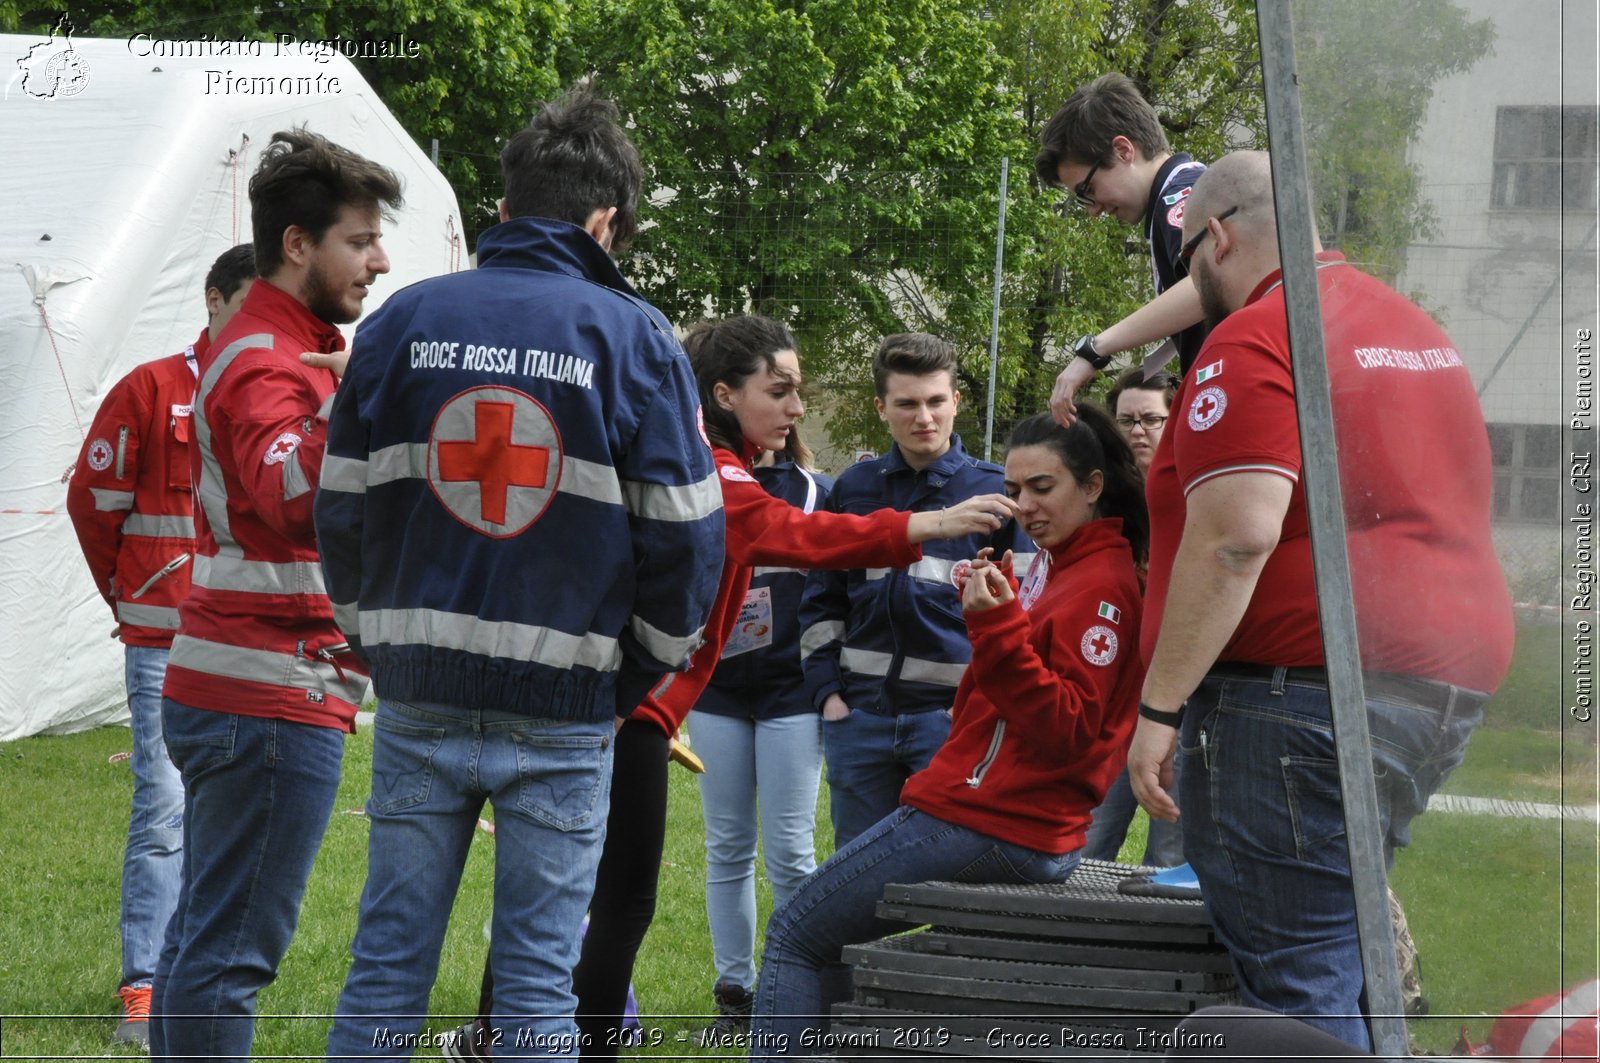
{"x": 1111, "y": 612}
{"x": 1206, "y": 373}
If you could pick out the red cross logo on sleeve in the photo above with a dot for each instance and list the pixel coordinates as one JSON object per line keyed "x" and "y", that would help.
{"x": 1207, "y": 408}
{"x": 1099, "y": 645}
{"x": 494, "y": 459}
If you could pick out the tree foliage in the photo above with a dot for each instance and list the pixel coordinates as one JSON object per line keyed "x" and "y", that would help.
{"x": 1367, "y": 71}
{"x": 835, "y": 163}
{"x": 482, "y": 65}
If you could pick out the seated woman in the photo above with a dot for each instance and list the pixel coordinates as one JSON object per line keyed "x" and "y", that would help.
{"x": 1042, "y": 723}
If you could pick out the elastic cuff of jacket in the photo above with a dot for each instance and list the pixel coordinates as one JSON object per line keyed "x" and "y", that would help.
{"x": 1167, "y": 719}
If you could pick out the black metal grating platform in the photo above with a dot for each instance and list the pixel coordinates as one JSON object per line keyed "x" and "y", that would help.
{"x": 1021, "y": 971}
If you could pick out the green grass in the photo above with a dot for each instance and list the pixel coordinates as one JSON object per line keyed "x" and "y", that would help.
{"x": 1503, "y": 910}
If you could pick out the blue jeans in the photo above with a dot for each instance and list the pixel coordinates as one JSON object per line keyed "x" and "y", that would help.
{"x": 433, "y": 766}
{"x": 257, "y": 796}
{"x": 779, "y": 762}
{"x": 801, "y": 976}
{"x": 1163, "y": 846}
{"x": 870, "y": 757}
{"x": 1264, "y": 830}
{"x": 152, "y": 864}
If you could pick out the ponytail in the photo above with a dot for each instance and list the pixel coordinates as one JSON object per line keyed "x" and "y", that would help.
{"x": 1092, "y": 445}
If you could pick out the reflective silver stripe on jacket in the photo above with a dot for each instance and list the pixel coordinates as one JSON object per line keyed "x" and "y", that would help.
{"x": 295, "y": 480}
{"x": 936, "y": 569}
{"x": 772, "y": 571}
{"x": 265, "y": 666}
{"x": 209, "y": 489}
{"x": 865, "y": 662}
{"x": 670, "y": 649}
{"x": 819, "y": 635}
{"x": 225, "y": 573}
{"x": 489, "y": 638}
{"x": 108, "y": 501}
{"x": 942, "y": 673}
{"x": 689, "y": 502}
{"x": 158, "y": 527}
{"x": 912, "y": 669}
{"x": 159, "y": 616}
{"x": 347, "y": 615}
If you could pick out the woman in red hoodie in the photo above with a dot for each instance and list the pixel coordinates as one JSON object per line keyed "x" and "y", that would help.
{"x": 1042, "y": 722}
{"x": 749, "y": 377}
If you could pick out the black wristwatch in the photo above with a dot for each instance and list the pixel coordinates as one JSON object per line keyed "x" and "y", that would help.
{"x": 1085, "y": 349}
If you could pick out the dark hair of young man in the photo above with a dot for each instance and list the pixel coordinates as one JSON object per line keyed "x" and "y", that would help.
{"x": 729, "y": 352}
{"x": 305, "y": 179}
{"x": 573, "y": 159}
{"x": 1082, "y": 130}
{"x": 914, "y": 354}
{"x": 232, "y": 268}
{"x": 1133, "y": 379}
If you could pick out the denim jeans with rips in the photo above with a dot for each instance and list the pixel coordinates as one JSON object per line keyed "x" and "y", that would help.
{"x": 1264, "y": 830}
{"x": 433, "y": 767}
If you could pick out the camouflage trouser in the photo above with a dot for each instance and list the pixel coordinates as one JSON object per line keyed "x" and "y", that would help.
{"x": 1406, "y": 960}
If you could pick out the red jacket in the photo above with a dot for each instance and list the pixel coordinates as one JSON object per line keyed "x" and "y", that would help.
{"x": 257, "y": 636}
{"x": 129, "y": 496}
{"x": 1045, "y": 712}
{"x": 763, "y": 530}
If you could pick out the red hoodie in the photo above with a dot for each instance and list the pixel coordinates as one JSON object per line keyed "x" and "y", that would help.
{"x": 762, "y": 530}
{"x": 1045, "y": 712}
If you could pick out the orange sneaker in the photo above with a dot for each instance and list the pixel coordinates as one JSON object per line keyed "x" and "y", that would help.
{"x": 134, "y": 1029}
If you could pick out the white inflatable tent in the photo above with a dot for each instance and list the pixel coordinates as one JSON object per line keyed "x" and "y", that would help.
{"x": 125, "y": 177}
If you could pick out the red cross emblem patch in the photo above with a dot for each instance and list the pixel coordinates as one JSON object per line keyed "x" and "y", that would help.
{"x": 1099, "y": 645}
{"x": 279, "y": 449}
{"x": 494, "y": 460}
{"x": 100, "y": 455}
{"x": 1207, "y": 408}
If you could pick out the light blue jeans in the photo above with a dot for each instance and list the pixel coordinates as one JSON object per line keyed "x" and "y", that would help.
{"x": 433, "y": 767}
{"x": 766, "y": 770}
{"x": 152, "y": 864}
{"x": 801, "y": 975}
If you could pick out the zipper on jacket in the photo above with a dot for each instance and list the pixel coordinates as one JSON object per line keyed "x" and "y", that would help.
{"x": 162, "y": 573}
{"x": 988, "y": 759}
{"x": 122, "y": 449}
{"x": 1205, "y": 752}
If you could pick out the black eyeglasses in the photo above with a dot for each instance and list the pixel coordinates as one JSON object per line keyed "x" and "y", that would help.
{"x": 1149, "y": 422}
{"x": 1186, "y": 252}
{"x": 1081, "y": 189}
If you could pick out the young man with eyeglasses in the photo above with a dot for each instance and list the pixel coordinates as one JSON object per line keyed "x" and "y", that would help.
{"x": 1107, "y": 145}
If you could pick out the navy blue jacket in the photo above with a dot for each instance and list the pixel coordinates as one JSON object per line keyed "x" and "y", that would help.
{"x": 893, "y": 641}
{"x": 517, "y": 509}
{"x": 758, "y": 676}
{"x": 1163, "y": 227}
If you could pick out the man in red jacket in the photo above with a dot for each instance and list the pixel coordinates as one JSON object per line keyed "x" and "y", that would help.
{"x": 261, "y": 688}
{"x": 129, "y": 500}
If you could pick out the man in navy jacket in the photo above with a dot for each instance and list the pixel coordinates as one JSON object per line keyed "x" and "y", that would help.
{"x": 885, "y": 649}
{"x": 522, "y": 533}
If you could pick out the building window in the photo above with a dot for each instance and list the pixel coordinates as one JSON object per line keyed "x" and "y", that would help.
{"x": 1544, "y": 158}
{"x": 1527, "y": 472}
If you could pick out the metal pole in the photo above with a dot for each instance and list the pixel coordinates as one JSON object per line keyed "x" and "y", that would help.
{"x": 1325, "y": 516}
{"x": 994, "y": 312}
{"x": 434, "y": 153}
